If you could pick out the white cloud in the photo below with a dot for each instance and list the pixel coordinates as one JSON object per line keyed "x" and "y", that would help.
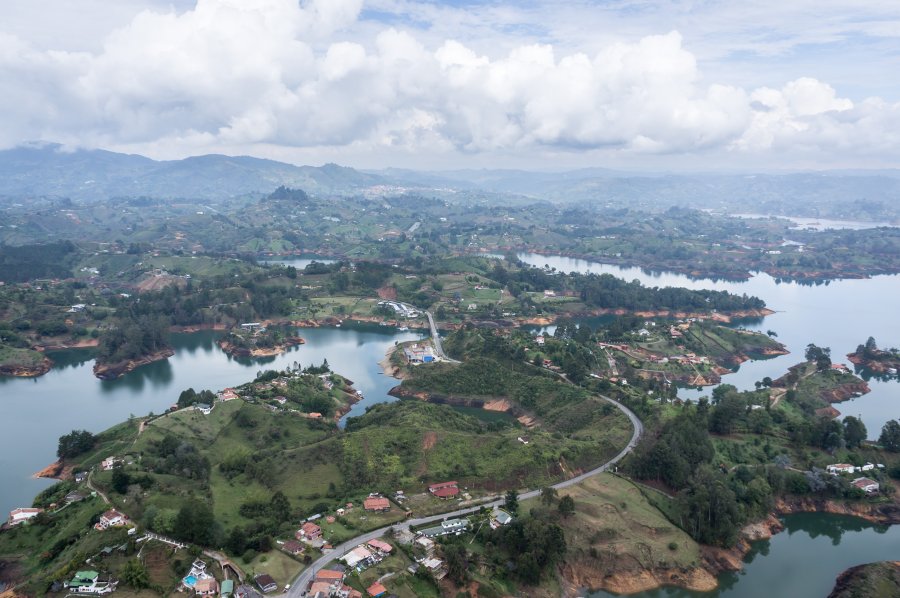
{"x": 270, "y": 73}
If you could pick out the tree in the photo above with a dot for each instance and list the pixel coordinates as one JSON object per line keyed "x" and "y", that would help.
{"x": 566, "y": 506}
{"x": 457, "y": 563}
{"x": 75, "y": 443}
{"x": 890, "y": 436}
{"x": 854, "y": 431}
{"x": 871, "y": 346}
{"x": 195, "y": 523}
{"x": 120, "y": 480}
{"x": 134, "y": 574}
{"x": 821, "y": 356}
{"x": 511, "y": 502}
{"x": 280, "y": 507}
{"x": 548, "y": 495}
{"x": 709, "y": 509}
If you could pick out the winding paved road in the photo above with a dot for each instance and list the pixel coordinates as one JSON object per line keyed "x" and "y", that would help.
{"x": 300, "y": 584}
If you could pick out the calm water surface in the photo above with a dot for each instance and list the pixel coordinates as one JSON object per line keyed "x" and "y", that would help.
{"x": 801, "y": 562}
{"x": 37, "y": 411}
{"x": 840, "y": 314}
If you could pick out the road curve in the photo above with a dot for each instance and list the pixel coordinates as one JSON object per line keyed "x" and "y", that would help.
{"x": 303, "y": 580}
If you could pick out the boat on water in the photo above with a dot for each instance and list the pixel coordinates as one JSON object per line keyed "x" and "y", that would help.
{"x": 403, "y": 328}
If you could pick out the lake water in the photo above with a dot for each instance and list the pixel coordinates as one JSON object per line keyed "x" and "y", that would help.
{"x": 37, "y": 411}
{"x": 823, "y": 223}
{"x": 801, "y": 562}
{"x": 299, "y": 262}
{"x": 839, "y": 314}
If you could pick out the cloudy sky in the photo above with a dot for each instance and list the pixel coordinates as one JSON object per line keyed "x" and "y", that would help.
{"x": 641, "y": 84}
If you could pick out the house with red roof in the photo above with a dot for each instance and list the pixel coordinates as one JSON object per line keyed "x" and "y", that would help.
{"x": 444, "y": 490}
{"x": 376, "y": 503}
{"x": 376, "y": 589}
{"x": 380, "y": 546}
{"x": 112, "y": 518}
{"x": 309, "y": 531}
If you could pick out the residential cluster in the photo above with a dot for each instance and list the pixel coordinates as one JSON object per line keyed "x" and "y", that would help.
{"x": 867, "y": 485}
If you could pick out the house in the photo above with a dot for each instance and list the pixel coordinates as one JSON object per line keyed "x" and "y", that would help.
{"x": 108, "y": 463}
{"x": 837, "y": 468}
{"x": 380, "y": 546}
{"x": 228, "y": 395}
{"x": 309, "y": 531}
{"x": 866, "y": 485}
{"x": 91, "y": 582}
{"x": 419, "y": 354}
{"x": 314, "y": 415}
{"x": 81, "y": 476}
{"x": 376, "y": 503}
{"x": 21, "y": 515}
{"x": 449, "y": 526}
{"x": 206, "y": 587}
{"x": 74, "y": 497}
{"x": 112, "y": 518}
{"x": 500, "y": 518}
{"x": 203, "y": 408}
{"x": 227, "y": 588}
{"x": 280, "y": 400}
{"x": 867, "y": 467}
{"x": 340, "y": 512}
{"x": 359, "y": 556}
{"x": 376, "y": 589}
{"x": 539, "y": 340}
{"x": 246, "y": 591}
{"x": 424, "y": 545}
{"x": 549, "y": 293}
{"x": 266, "y": 583}
{"x": 330, "y": 576}
{"x": 444, "y": 489}
{"x": 292, "y": 547}
{"x": 320, "y": 588}
{"x": 472, "y": 306}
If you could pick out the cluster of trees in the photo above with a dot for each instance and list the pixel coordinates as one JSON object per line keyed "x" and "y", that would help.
{"x": 172, "y": 455}
{"x": 133, "y": 338}
{"x": 76, "y": 442}
{"x": 190, "y": 397}
{"x": 21, "y": 263}
{"x": 890, "y": 436}
{"x": 608, "y": 291}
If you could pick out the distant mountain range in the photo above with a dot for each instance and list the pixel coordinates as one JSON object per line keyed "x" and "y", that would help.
{"x": 86, "y": 175}
{"x": 41, "y": 170}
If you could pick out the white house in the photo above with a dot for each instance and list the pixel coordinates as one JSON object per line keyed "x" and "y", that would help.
{"x": 108, "y": 463}
{"x": 203, "y": 408}
{"x": 112, "y": 518}
{"x": 837, "y": 468}
{"x": 21, "y": 515}
{"x": 866, "y": 485}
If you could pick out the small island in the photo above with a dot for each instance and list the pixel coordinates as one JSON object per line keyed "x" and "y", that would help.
{"x": 879, "y": 362}
{"x": 23, "y": 362}
{"x": 256, "y": 340}
{"x": 130, "y": 344}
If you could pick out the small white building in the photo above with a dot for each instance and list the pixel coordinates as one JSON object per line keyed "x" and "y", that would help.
{"x": 866, "y": 485}
{"x": 108, "y": 463}
{"x": 836, "y": 468}
{"x": 112, "y": 518}
{"x": 21, "y": 515}
{"x": 204, "y": 408}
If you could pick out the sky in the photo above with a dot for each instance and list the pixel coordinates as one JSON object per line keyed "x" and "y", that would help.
{"x": 767, "y": 85}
